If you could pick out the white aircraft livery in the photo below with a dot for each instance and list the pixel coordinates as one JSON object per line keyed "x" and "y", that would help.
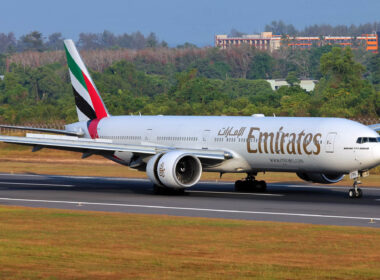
{"x": 175, "y": 150}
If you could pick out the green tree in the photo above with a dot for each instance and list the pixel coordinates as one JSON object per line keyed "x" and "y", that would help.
{"x": 12, "y": 92}
{"x": 314, "y": 60}
{"x": 261, "y": 66}
{"x": 32, "y": 41}
{"x": 55, "y": 41}
{"x": 187, "y": 45}
{"x": 374, "y": 69}
{"x": 151, "y": 40}
{"x": 342, "y": 91}
{"x": 210, "y": 68}
{"x": 292, "y": 79}
{"x": 296, "y": 105}
{"x": 2, "y": 64}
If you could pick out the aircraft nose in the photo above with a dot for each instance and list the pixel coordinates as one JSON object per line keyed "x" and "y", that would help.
{"x": 376, "y": 154}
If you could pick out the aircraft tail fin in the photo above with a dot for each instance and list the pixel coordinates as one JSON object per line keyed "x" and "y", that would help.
{"x": 88, "y": 102}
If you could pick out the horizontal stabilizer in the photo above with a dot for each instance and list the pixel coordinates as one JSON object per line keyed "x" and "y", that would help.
{"x": 48, "y": 130}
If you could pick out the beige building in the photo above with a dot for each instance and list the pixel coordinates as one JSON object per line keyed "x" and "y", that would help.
{"x": 263, "y": 41}
{"x": 307, "y": 85}
{"x": 270, "y": 42}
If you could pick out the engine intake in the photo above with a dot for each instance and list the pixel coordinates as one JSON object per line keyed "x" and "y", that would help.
{"x": 322, "y": 178}
{"x": 174, "y": 169}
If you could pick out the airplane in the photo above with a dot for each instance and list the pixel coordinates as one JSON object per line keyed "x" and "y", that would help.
{"x": 175, "y": 150}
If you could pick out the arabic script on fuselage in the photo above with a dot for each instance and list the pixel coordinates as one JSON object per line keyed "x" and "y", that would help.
{"x": 279, "y": 142}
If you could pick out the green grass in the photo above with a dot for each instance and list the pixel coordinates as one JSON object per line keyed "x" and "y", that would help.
{"x": 63, "y": 244}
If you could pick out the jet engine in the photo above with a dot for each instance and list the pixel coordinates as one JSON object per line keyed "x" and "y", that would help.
{"x": 174, "y": 169}
{"x": 322, "y": 178}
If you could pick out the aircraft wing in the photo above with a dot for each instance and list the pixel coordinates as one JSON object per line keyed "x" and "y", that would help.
{"x": 375, "y": 127}
{"x": 102, "y": 146}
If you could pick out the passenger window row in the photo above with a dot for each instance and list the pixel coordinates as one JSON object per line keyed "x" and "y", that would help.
{"x": 175, "y": 138}
{"x": 122, "y": 137}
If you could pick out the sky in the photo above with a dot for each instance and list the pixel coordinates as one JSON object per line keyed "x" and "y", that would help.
{"x": 177, "y": 21}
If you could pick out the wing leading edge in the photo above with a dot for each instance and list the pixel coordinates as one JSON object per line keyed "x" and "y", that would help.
{"x": 99, "y": 146}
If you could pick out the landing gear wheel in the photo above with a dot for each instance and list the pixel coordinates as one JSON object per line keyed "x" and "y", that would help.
{"x": 250, "y": 185}
{"x": 355, "y": 192}
{"x": 351, "y": 193}
{"x": 260, "y": 186}
{"x": 239, "y": 186}
{"x": 158, "y": 189}
{"x": 358, "y": 193}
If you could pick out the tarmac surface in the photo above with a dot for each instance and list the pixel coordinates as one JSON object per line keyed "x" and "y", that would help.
{"x": 283, "y": 202}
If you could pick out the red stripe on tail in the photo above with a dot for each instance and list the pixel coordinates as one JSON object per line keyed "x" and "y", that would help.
{"x": 100, "y": 110}
{"x": 93, "y": 128}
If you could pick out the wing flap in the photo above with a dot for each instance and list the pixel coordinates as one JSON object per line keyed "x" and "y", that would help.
{"x": 76, "y": 144}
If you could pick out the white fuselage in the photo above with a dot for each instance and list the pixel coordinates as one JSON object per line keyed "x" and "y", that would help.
{"x": 256, "y": 143}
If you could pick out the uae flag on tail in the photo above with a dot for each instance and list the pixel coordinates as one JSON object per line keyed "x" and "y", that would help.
{"x": 87, "y": 99}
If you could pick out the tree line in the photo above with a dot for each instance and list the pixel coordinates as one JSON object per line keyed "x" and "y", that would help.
{"x": 281, "y": 28}
{"x": 35, "y": 41}
{"x": 206, "y": 81}
{"x": 214, "y": 63}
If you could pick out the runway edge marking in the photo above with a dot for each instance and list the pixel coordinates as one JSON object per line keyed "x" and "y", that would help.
{"x": 191, "y": 209}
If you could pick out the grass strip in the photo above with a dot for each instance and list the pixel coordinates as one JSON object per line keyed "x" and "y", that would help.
{"x": 68, "y": 244}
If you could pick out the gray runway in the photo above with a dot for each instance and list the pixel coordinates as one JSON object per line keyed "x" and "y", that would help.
{"x": 283, "y": 202}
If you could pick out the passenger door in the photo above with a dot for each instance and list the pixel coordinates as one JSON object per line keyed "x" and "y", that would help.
{"x": 330, "y": 142}
{"x": 148, "y": 135}
{"x": 205, "y": 138}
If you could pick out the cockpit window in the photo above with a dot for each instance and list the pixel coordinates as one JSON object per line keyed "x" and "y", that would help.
{"x": 362, "y": 140}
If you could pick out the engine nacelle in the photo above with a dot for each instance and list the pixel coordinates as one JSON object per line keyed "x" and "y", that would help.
{"x": 175, "y": 169}
{"x": 322, "y": 178}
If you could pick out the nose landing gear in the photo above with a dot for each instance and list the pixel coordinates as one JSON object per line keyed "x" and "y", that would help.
{"x": 249, "y": 184}
{"x": 355, "y": 192}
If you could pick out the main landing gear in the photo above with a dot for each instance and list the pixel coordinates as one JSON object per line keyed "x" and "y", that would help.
{"x": 355, "y": 192}
{"x": 249, "y": 184}
{"x": 160, "y": 190}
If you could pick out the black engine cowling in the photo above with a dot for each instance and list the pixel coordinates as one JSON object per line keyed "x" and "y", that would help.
{"x": 322, "y": 178}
